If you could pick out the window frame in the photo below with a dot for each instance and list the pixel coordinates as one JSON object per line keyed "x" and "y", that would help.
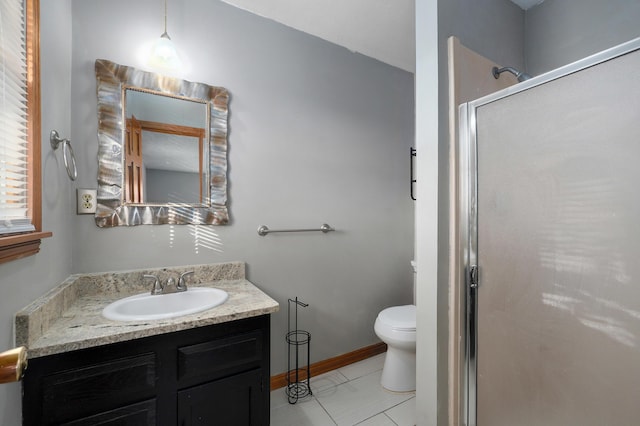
{"x": 16, "y": 246}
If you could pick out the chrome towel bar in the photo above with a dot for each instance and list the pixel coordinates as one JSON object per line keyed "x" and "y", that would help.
{"x": 264, "y": 230}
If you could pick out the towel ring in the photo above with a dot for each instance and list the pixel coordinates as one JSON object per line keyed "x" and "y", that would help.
{"x": 67, "y": 153}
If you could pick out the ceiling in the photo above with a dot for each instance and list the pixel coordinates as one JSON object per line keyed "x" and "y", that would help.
{"x": 381, "y": 29}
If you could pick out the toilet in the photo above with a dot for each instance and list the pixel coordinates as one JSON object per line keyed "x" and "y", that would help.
{"x": 396, "y": 326}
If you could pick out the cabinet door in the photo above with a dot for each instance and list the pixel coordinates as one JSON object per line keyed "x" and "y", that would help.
{"x": 234, "y": 401}
{"x": 141, "y": 414}
{"x": 86, "y": 390}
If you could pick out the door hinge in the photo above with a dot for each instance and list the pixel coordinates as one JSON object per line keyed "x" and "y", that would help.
{"x": 473, "y": 276}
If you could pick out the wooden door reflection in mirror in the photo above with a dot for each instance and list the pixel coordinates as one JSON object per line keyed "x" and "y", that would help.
{"x": 133, "y": 188}
{"x": 164, "y": 163}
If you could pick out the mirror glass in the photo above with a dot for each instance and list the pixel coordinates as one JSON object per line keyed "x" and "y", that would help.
{"x": 171, "y": 134}
{"x": 162, "y": 149}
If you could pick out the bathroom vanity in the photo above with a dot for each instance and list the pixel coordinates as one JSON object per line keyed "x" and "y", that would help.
{"x": 206, "y": 368}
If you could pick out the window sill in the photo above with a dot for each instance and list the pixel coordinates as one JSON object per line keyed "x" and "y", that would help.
{"x": 18, "y": 246}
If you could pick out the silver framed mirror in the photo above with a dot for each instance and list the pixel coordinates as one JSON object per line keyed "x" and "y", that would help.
{"x": 162, "y": 149}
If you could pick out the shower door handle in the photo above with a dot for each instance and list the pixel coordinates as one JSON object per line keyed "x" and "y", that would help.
{"x": 473, "y": 276}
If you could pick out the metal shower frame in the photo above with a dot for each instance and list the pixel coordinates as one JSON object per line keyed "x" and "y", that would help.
{"x": 468, "y": 206}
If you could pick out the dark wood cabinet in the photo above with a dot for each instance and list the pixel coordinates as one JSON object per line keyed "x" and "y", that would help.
{"x": 142, "y": 413}
{"x": 212, "y": 375}
{"x": 233, "y": 401}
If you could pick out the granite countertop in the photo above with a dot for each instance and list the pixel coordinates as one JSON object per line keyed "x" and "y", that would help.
{"x": 69, "y": 317}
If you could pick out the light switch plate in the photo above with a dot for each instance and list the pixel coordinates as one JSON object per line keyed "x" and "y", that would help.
{"x": 86, "y": 201}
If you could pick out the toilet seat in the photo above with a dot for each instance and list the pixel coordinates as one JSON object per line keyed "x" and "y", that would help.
{"x": 399, "y": 318}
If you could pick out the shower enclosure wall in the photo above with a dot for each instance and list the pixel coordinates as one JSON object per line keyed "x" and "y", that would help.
{"x": 549, "y": 208}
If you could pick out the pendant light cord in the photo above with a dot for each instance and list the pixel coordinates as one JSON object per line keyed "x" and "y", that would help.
{"x": 165, "y": 16}
{"x": 165, "y": 34}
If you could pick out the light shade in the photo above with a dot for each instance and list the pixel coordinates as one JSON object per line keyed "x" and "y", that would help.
{"x": 164, "y": 54}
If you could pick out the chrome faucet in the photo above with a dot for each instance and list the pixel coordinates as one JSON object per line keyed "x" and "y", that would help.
{"x": 182, "y": 283}
{"x": 170, "y": 286}
{"x": 157, "y": 286}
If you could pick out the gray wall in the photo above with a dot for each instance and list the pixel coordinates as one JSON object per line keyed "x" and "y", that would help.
{"x": 317, "y": 134}
{"x": 26, "y": 279}
{"x": 493, "y": 28}
{"x": 559, "y": 32}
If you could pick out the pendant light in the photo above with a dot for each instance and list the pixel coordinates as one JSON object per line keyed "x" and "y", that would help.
{"x": 163, "y": 53}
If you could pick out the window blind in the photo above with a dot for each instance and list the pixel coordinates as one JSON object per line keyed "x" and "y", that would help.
{"x": 14, "y": 155}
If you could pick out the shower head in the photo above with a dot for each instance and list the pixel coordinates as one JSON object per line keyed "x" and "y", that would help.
{"x": 521, "y": 76}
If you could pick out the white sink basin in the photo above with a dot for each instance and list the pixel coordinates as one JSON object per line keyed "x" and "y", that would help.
{"x": 142, "y": 307}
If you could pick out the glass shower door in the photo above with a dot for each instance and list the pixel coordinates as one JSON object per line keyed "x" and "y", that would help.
{"x": 558, "y": 251}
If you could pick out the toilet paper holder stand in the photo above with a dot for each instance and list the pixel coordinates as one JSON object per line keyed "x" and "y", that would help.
{"x": 298, "y": 377}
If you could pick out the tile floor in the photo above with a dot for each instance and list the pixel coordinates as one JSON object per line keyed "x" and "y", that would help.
{"x": 348, "y": 396}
